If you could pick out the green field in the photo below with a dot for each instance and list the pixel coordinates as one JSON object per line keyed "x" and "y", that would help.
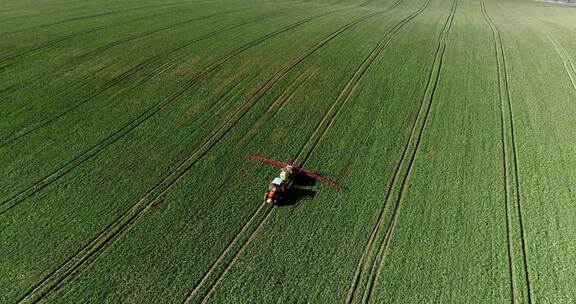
{"x": 125, "y": 125}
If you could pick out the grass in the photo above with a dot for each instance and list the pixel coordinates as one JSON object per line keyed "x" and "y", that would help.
{"x": 125, "y": 127}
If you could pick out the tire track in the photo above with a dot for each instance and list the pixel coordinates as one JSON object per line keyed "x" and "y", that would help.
{"x": 286, "y": 99}
{"x": 10, "y": 203}
{"x": 282, "y": 99}
{"x": 11, "y": 10}
{"x": 290, "y": 90}
{"x": 368, "y": 266}
{"x": 376, "y": 272}
{"x": 45, "y": 45}
{"x": 85, "y": 17}
{"x": 510, "y": 167}
{"x": 566, "y": 61}
{"x": 144, "y": 34}
{"x": 195, "y": 292}
{"x": 63, "y": 273}
{"x": 394, "y": 5}
{"x": 77, "y": 62}
{"x": 352, "y": 84}
{"x": 84, "y": 58}
{"x": 505, "y": 162}
{"x": 7, "y": 90}
{"x": 217, "y": 107}
{"x": 50, "y": 43}
{"x": 78, "y": 85}
{"x": 123, "y": 76}
{"x": 309, "y": 146}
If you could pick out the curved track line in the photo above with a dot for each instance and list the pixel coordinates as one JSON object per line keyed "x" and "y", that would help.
{"x": 394, "y": 5}
{"x": 85, "y": 58}
{"x": 44, "y": 45}
{"x": 94, "y": 16}
{"x": 287, "y": 98}
{"x": 117, "y": 79}
{"x": 282, "y": 99}
{"x": 91, "y": 54}
{"x": 50, "y": 43}
{"x": 6, "y": 90}
{"x": 505, "y": 162}
{"x": 76, "y": 161}
{"x": 503, "y": 77}
{"x": 121, "y": 41}
{"x": 429, "y": 91}
{"x": 390, "y": 188}
{"x": 234, "y": 258}
{"x": 101, "y": 241}
{"x": 572, "y": 68}
{"x": 75, "y": 62}
{"x": 219, "y": 105}
{"x": 229, "y": 246}
{"x": 322, "y": 128}
{"x": 328, "y": 116}
{"x": 11, "y": 10}
{"x": 351, "y": 85}
{"x": 290, "y": 90}
{"x": 566, "y": 61}
{"x": 380, "y": 255}
{"x": 194, "y": 292}
{"x": 243, "y": 110}
{"x": 153, "y": 58}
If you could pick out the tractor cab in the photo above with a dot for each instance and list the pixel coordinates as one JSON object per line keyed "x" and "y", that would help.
{"x": 280, "y": 186}
{"x": 275, "y": 191}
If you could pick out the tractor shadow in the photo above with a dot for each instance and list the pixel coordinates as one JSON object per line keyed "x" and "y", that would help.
{"x": 304, "y": 181}
{"x": 298, "y": 192}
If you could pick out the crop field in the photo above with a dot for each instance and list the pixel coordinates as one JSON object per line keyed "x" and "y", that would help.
{"x": 125, "y": 127}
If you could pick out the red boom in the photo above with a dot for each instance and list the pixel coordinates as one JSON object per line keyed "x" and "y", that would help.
{"x": 308, "y": 173}
{"x": 320, "y": 178}
{"x": 268, "y": 161}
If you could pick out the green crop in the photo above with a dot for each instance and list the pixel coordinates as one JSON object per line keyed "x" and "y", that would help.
{"x": 125, "y": 126}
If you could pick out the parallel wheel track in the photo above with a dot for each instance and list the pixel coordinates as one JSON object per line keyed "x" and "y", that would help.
{"x": 509, "y": 146}
{"x": 505, "y": 163}
{"x": 368, "y": 265}
{"x": 63, "y": 21}
{"x": 394, "y": 5}
{"x": 124, "y": 40}
{"x": 375, "y": 273}
{"x": 9, "y": 60}
{"x": 566, "y": 60}
{"x": 198, "y": 292}
{"x": 10, "y": 203}
{"x": 81, "y": 59}
{"x": 105, "y": 238}
{"x": 317, "y": 135}
{"x": 118, "y": 79}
